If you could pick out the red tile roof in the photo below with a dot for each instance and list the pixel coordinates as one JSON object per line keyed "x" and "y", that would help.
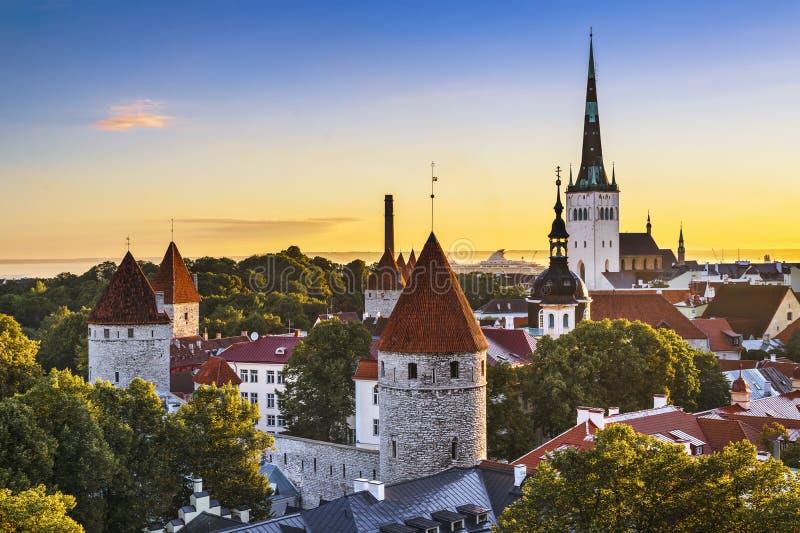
{"x": 784, "y": 406}
{"x": 512, "y": 346}
{"x": 719, "y": 333}
{"x": 785, "y": 366}
{"x": 786, "y": 335}
{"x": 273, "y": 349}
{"x": 748, "y": 308}
{"x": 217, "y": 372}
{"x": 721, "y": 432}
{"x": 412, "y": 261}
{"x": 432, "y": 314}
{"x": 128, "y": 299}
{"x": 386, "y": 276}
{"x": 735, "y": 364}
{"x": 580, "y": 437}
{"x": 664, "y": 421}
{"x": 174, "y": 280}
{"x": 188, "y": 353}
{"x": 652, "y": 309}
{"x": 367, "y": 370}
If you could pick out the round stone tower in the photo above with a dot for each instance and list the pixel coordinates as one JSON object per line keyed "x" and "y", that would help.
{"x": 129, "y": 335}
{"x": 432, "y": 376}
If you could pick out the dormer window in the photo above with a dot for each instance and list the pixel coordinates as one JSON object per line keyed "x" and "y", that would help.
{"x": 280, "y": 351}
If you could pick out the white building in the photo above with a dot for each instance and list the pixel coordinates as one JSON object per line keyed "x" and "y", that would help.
{"x": 367, "y": 419}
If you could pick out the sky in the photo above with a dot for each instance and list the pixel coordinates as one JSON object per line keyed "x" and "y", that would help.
{"x": 257, "y": 125}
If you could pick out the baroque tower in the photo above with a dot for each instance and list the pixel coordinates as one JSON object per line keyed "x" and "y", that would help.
{"x": 386, "y": 282}
{"x": 176, "y": 293}
{"x": 559, "y": 298}
{"x": 593, "y": 201}
{"x": 128, "y": 335}
{"x": 432, "y": 376}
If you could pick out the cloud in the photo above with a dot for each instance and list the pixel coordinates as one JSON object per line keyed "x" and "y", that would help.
{"x": 141, "y": 113}
{"x": 217, "y": 226}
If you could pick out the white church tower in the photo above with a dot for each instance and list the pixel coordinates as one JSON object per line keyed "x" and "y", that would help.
{"x": 593, "y": 202}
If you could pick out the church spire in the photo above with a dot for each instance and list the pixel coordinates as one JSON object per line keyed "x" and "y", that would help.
{"x": 681, "y": 248}
{"x": 649, "y": 225}
{"x": 558, "y": 231}
{"x": 592, "y": 172}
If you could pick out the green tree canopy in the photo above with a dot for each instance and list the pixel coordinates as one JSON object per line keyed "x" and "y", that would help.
{"x": 64, "y": 340}
{"x": 509, "y": 427}
{"x": 26, "y": 450}
{"x": 320, "y": 393}
{"x": 18, "y": 367}
{"x": 636, "y": 483}
{"x": 35, "y": 510}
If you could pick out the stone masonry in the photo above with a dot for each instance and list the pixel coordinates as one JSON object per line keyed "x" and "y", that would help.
{"x": 185, "y": 318}
{"x": 380, "y": 302}
{"x": 120, "y": 353}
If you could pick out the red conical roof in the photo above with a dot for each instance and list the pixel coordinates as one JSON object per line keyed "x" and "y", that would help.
{"x": 412, "y": 261}
{"x": 174, "y": 280}
{"x": 432, "y": 314}
{"x": 129, "y": 299}
{"x": 216, "y": 371}
{"x": 386, "y": 276}
{"x": 403, "y": 267}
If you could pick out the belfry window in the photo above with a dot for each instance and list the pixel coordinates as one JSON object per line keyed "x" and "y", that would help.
{"x": 551, "y": 320}
{"x": 566, "y": 321}
{"x": 412, "y": 370}
{"x": 541, "y": 317}
{"x": 454, "y": 369}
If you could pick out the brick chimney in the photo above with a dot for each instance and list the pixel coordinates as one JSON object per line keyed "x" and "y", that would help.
{"x": 659, "y": 400}
{"x": 388, "y": 211}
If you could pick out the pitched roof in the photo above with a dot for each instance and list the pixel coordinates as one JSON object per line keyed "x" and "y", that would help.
{"x": 128, "y": 299}
{"x": 580, "y": 436}
{"x": 720, "y": 334}
{"x": 386, "y": 276}
{"x": 512, "y": 346}
{"x": 667, "y": 258}
{"x": 500, "y": 306}
{"x": 787, "y": 367}
{"x": 367, "y": 370}
{"x": 720, "y": 432}
{"x": 273, "y": 349}
{"x": 216, "y": 371}
{"x": 432, "y": 314}
{"x": 174, "y": 280}
{"x": 786, "y": 406}
{"x": 669, "y": 422}
{"x": 736, "y": 364}
{"x": 652, "y": 309}
{"x": 403, "y": 267}
{"x": 192, "y": 351}
{"x": 748, "y": 308}
{"x": 637, "y": 244}
{"x": 786, "y": 335}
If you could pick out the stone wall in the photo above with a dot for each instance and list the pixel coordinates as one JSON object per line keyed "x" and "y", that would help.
{"x": 322, "y": 470}
{"x": 424, "y": 420}
{"x": 380, "y": 303}
{"x": 185, "y": 318}
{"x": 119, "y": 357}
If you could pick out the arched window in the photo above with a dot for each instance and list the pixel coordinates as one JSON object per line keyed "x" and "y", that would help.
{"x": 412, "y": 370}
{"x": 551, "y": 320}
{"x": 566, "y": 321}
{"x": 574, "y": 214}
{"x": 454, "y": 448}
{"x": 585, "y": 214}
{"x": 453, "y": 369}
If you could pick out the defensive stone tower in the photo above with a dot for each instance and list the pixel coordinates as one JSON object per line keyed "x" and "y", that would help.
{"x": 176, "y": 291}
{"x": 431, "y": 376}
{"x": 386, "y": 282}
{"x": 128, "y": 335}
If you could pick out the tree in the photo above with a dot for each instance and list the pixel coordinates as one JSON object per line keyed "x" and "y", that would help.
{"x": 714, "y": 388}
{"x": 218, "y": 442}
{"x": 510, "y": 430}
{"x": 18, "y": 367}
{"x": 64, "y": 340}
{"x": 792, "y": 348}
{"x": 35, "y": 510}
{"x": 26, "y": 451}
{"x": 320, "y": 394}
{"x": 633, "y": 482}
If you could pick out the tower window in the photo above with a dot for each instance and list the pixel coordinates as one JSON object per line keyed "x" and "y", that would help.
{"x": 130, "y": 333}
{"x": 315, "y": 465}
{"x": 604, "y": 244}
{"x": 375, "y": 395}
{"x": 454, "y": 448}
{"x": 551, "y": 320}
{"x": 483, "y": 368}
{"x": 376, "y": 427}
{"x": 383, "y": 369}
{"x": 394, "y": 447}
{"x": 454, "y": 369}
{"x": 566, "y": 321}
{"x": 412, "y": 370}
{"x": 541, "y": 318}
{"x": 584, "y": 244}
{"x": 106, "y": 333}
{"x": 116, "y": 377}
{"x": 186, "y": 316}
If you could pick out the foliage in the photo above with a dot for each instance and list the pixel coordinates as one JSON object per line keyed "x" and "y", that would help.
{"x": 480, "y": 287}
{"x": 714, "y": 388}
{"x": 792, "y": 348}
{"x": 790, "y": 456}
{"x": 219, "y": 443}
{"x": 618, "y": 364}
{"x": 510, "y": 429}
{"x": 754, "y": 355}
{"x": 320, "y": 394}
{"x": 770, "y": 433}
{"x": 64, "y": 342}
{"x": 18, "y": 367}
{"x": 26, "y": 450}
{"x": 633, "y": 482}
{"x": 35, "y": 510}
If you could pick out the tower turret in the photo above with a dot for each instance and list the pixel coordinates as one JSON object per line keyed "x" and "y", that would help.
{"x": 681, "y": 248}
{"x": 648, "y": 226}
{"x": 432, "y": 376}
{"x": 175, "y": 289}
{"x": 386, "y": 281}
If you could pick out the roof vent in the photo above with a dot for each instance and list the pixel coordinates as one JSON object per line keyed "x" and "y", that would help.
{"x": 396, "y": 528}
{"x": 423, "y": 525}
{"x": 449, "y": 520}
{"x": 476, "y": 514}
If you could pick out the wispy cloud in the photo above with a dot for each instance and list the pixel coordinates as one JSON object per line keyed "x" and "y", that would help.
{"x": 216, "y": 226}
{"x": 141, "y": 113}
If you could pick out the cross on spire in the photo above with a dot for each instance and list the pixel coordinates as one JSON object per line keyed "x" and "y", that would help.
{"x": 433, "y": 180}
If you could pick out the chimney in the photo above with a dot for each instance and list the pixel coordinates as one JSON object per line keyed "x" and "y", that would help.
{"x": 205, "y": 333}
{"x": 597, "y": 416}
{"x": 360, "y": 484}
{"x": 659, "y": 400}
{"x": 376, "y": 489}
{"x": 613, "y": 411}
{"x": 219, "y": 336}
{"x": 243, "y": 514}
{"x": 388, "y": 213}
{"x": 583, "y": 415}
{"x": 520, "y": 472}
{"x": 772, "y": 355}
{"x": 197, "y": 484}
{"x": 160, "y": 301}
{"x": 244, "y": 333}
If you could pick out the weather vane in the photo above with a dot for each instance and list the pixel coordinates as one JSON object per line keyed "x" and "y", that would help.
{"x": 172, "y": 229}
{"x": 558, "y": 175}
{"x": 433, "y": 180}
{"x": 128, "y": 241}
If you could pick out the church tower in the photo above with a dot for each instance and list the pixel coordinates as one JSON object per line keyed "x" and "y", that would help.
{"x": 386, "y": 282}
{"x": 593, "y": 201}
{"x": 432, "y": 376}
{"x": 559, "y": 298}
{"x": 681, "y": 248}
{"x": 129, "y": 335}
{"x": 176, "y": 291}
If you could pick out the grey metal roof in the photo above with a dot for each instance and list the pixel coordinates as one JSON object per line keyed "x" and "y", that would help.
{"x": 757, "y": 378}
{"x": 284, "y": 487}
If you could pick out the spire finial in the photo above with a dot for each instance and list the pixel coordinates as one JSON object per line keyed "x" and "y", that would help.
{"x": 434, "y": 179}
{"x": 558, "y": 207}
{"x": 128, "y": 242}
{"x": 649, "y": 225}
{"x": 570, "y": 175}
{"x": 172, "y": 230}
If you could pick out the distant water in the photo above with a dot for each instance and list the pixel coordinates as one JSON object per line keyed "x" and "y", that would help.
{"x": 47, "y": 268}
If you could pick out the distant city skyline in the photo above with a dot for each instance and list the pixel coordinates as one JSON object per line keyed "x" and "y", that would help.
{"x": 261, "y": 125}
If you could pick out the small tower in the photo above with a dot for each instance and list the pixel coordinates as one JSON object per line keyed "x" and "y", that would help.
{"x": 559, "y": 298}
{"x": 649, "y": 226}
{"x": 128, "y": 336}
{"x": 740, "y": 392}
{"x": 432, "y": 376}
{"x": 386, "y": 282}
{"x": 593, "y": 202}
{"x": 681, "y": 248}
{"x": 176, "y": 293}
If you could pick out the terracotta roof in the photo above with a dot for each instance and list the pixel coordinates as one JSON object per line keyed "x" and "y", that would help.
{"x": 367, "y": 370}
{"x": 719, "y": 334}
{"x": 128, "y": 299}
{"x": 174, "y": 280}
{"x": 216, "y": 371}
{"x": 784, "y": 406}
{"x": 386, "y": 276}
{"x": 652, "y": 309}
{"x": 375, "y": 325}
{"x": 403, "y": 267}
{"x": 181, "y": 382}
{"x": 412, "y": 261}
{"x": 720, "y": 432}
{"x": 580, "y": 437}
{"x": 786, "y": 335}
{"x": 735, "y": 364}
{"x": 273, "y": 349}
{"x": 188, "y": 353}
{"x": 432, "y": 314}
{"x": 669, "y": 423}
{"x": 637, "y": 244}
{"x": 748, "y": 308}
{"x": 512, "y": 346}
